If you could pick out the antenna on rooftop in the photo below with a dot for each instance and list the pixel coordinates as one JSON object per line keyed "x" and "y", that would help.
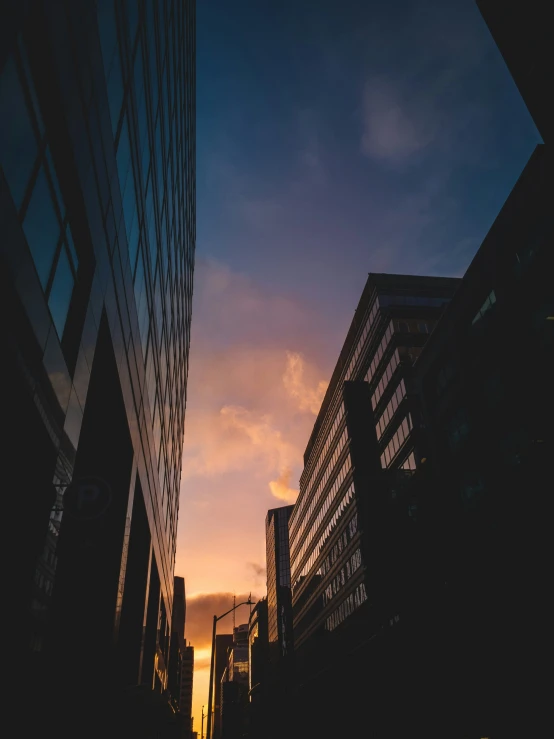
{"x": 234, "y": 606}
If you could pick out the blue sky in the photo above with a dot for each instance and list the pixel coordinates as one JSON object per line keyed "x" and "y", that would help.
{"x": 340, "y": 138}
{"x": 333, "y": 139}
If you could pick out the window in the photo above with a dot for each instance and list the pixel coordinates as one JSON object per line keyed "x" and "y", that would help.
{"x": 42, "y": 228}
{"x": 423, "y": 327}
{"x": 403, "y": 327}
{"x": 18, "y": 145}
{"x": 487, "y": 305}
{"x": 61, "y": 291}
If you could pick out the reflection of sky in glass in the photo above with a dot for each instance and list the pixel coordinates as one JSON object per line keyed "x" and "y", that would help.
{"x": 18, "y": 148}
{"x": 42, "y": 228}
{"x": 60, "y": 294}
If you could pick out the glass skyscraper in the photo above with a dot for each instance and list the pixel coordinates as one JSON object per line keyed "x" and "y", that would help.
{"x": 278, "y": 583}
{"x": 97, "y": 216}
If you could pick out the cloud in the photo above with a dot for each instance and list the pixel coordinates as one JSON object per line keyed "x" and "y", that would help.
{"x": 258, "y": 574}
{"x": 259, "y": 570}
{"x": 309, "y": 398}
{"x": 392, "y": 128}
{"x": 200, "y": 612}
{"x": 281, "y": 489}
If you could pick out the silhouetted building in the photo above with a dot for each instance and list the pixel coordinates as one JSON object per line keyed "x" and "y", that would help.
{"x": 180, "y": 661}
{"x": 522, "y": 34}
{"x": 234, "y": 687}
{"x": 187, "y": 674}
{"x": 97, "y": 215}
{"x": 258, "y": 669}
{"x": 278, "y": 583}
{"x": 486, "y": 379}
{"x": 222, "y": 644}
{"x": 350, "y": 585}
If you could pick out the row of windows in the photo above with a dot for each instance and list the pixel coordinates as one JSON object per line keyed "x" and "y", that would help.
{"x": 390, "y": 410}
{"x": 339, "y": 546}
{"x": 342, "y": 508}
{"x": 358, "y": 350}
{"x": 409, "y": 463}
{"x": 397, "y": 441}
{"x": 342, "y": 577}
{"x": 27, "y": 164}
{"x": 305, "y": 487}
{"x": 381, "y": 349}
{"x": 347, "y": 607}
{"x": 360, "y": 344}
{"x": 384, "y": 381}
{"x": 323, "y": 480}
{"x": 410, "y": 326}
{"x": 386, "y": 300}
{"x": 298, "y": 556}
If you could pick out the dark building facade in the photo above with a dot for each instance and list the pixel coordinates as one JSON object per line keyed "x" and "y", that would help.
{"x": 222, "y": 643}
{"x": 185, "y": 698}
{"x": 349, "y": 588}
{"x": 258, "y": 648}
{"x": 522, "y": 34}
{"x": 258, "y": 670}
{"x": 97, "y": 216}
{"x": 177, "y": 645}
{"x": 487, "y": 395}
{"x": 278, "y": 583}
{"x": 235, "y": 686}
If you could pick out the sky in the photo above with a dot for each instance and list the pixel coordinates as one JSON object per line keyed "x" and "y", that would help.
{"x": 333, "y": 140}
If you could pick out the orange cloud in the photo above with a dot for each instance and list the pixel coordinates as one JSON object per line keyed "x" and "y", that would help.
{"x": 309, "y": 398}
{"x": 281, "y": 489}
{"x": 199, "y": 619}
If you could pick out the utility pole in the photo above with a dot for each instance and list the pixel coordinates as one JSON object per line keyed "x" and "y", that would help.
{"x": 203, "y": 717}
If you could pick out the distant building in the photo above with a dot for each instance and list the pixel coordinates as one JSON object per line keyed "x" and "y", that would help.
{"x": 177, "y": 638}
{"x": 222, "y": 644}
{"x": 234, "y": 687}
{"x": 187, "y": 674}
{"x": 258, "y": 673}
{"x": 279, "y": 618}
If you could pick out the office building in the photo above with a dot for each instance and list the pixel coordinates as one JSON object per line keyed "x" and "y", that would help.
{"x": 487, "y": 394}
{"x": 258, "y": 670}
{"x": 355, "y": 499}
{"x": 187, "y": 674}
{"x": 234, "y": 686}
{"x": 177, "y": 644}
{"x": 97, "y": 215}
{"x": 522, "y": 33}
{"x": 222, "y": 643}
{"x": 278, "y": 583}
{"x": 258, "y": 649}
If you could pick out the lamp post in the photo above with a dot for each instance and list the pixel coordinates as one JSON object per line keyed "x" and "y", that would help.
{"x": 212, "y": 662}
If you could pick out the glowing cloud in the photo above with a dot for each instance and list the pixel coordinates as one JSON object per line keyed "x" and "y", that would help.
{"x": 281, "y": 489}
{"x": 309, "y": 398}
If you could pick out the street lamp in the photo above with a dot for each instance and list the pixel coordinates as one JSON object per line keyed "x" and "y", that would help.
{"x": 212, "y": 662}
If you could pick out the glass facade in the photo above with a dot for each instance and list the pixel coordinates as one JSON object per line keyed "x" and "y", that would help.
{"x": 97, "y": 158}
{"x": 278, "y": 582}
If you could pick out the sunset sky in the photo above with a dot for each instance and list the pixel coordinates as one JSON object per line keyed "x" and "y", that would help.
{"x": 333, "y": 139}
